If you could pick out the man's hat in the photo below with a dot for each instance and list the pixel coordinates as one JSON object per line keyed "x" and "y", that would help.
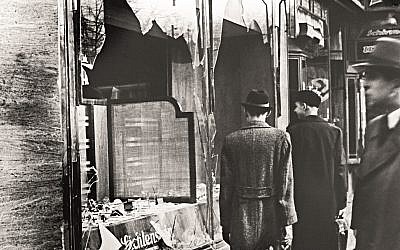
{"x": 308, "y": 97}
{"x": 257, "y": 98}
{"x": 386, "y": 54}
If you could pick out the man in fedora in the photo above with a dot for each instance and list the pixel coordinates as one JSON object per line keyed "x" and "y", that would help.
{"x": 319, "y": 175}
{"x": 256, "y": 198}
{"x": 376, "y": 205}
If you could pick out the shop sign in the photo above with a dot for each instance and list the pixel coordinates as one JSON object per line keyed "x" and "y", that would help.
{"x": 366, "y": 43}
{"x": 141, "y": 240}
{"x": 377, "y": 32}
{"x": 364, "y": 48}
{"x": 383, "y": 32}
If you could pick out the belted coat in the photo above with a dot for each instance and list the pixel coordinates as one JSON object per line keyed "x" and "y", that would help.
{"x": 256, "y": 196}
{"x": 376, "y": 206}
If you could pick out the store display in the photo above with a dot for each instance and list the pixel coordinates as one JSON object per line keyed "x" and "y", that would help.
{"x": 145, "y": 225}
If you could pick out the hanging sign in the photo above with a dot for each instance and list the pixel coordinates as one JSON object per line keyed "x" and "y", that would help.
{"x": 364, "y": 48}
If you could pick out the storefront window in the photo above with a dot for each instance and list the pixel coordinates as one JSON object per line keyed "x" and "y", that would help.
{"x": 139, "y": 145}
{"x": 311, "y": 46}
{"x": 294, "y": 79}
{"x": 355, "y": 118}
{"x": 140, "y": 112}
{"x": 145, "y": 131}
{"x": 318, "y": 80}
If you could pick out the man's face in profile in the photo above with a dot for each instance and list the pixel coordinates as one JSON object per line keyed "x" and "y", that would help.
{"x": 300, "y": 109}
{"x": 377, "y": 88}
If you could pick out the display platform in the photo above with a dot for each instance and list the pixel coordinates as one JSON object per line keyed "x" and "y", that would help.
{"x": 164, "y": 226}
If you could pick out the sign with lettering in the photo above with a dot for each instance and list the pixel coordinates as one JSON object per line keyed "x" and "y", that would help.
{"x": 141, "y": 241}
{"x": 364, "y": 48}
{"x": 367, "y": 40}
{"x": 375, "y": 32}
{"x": 383, "y": 32}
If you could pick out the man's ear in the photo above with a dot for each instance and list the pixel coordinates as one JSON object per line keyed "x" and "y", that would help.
{"x": 395, "y": 91}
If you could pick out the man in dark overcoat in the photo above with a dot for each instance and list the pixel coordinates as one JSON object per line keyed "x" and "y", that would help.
{"x": 376, "y": 205}
{"x": 319, "y": 175}
{"x": 256, "y": 198}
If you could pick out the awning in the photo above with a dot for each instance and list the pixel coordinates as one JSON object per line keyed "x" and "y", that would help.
{"x": 311, "y": 32}
{"x": 174, "y": 20}
{"x": 184, "y": 17}
{"x": 310, "y": 26}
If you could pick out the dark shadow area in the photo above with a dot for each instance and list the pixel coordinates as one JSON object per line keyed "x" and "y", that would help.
{"x": 137, "y": 66}
{"x": 243, "y": 63}
{"x": 31, "y": 152}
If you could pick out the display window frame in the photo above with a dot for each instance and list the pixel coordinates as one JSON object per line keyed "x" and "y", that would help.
{"x": 191, "y": 145}
{"x": 355, "y": 118}
{"x": 70, "y": 79}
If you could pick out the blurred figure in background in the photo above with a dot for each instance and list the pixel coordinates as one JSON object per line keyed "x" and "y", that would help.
{"x": 376, "y": 206}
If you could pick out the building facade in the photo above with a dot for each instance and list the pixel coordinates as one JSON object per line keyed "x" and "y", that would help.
{"x": 209, "y": 62}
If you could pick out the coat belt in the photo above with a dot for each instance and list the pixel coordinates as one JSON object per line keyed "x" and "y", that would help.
{"x": 254, "y": 192}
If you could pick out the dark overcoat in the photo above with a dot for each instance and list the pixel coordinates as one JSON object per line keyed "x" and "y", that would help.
{"x": 376, "y": 205}
{"x": 256, "y": 198}
{"x": 320, "y": 182}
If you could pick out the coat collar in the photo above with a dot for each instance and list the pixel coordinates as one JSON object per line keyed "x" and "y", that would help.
{"x": 379, "y": 155}
{"x": 256, "y": 124}
{"x": 393, "y": 119}
{"x": 378, "y": 122}
{"x": 374, "y": 126}
{"x": 312, "y": 118}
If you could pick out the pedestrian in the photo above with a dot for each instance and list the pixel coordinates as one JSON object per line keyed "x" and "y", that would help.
{"x": 376, "y": 206}
{"x": 319, "y": 175}
{"x": 256, "y": 198}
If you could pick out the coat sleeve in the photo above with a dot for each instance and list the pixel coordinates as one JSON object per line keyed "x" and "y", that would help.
{"x": 340, "y": 173}
{"x": 286, "y": 212}
{"x": 226, "y": 190}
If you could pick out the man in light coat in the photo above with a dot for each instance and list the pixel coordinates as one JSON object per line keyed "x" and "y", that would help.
{"x": 376, "y": 205}
{"x": 256, "y": 198}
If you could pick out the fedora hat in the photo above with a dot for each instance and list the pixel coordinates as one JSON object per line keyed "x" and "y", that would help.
{"x": 257, "y": 98}
{"x": 386, "y": 55}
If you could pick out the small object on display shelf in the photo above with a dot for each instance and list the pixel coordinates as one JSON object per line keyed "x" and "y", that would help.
{"x": 201, "y": 191}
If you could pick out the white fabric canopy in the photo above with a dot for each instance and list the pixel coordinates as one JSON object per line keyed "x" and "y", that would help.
{"x": 183, "y": 18}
